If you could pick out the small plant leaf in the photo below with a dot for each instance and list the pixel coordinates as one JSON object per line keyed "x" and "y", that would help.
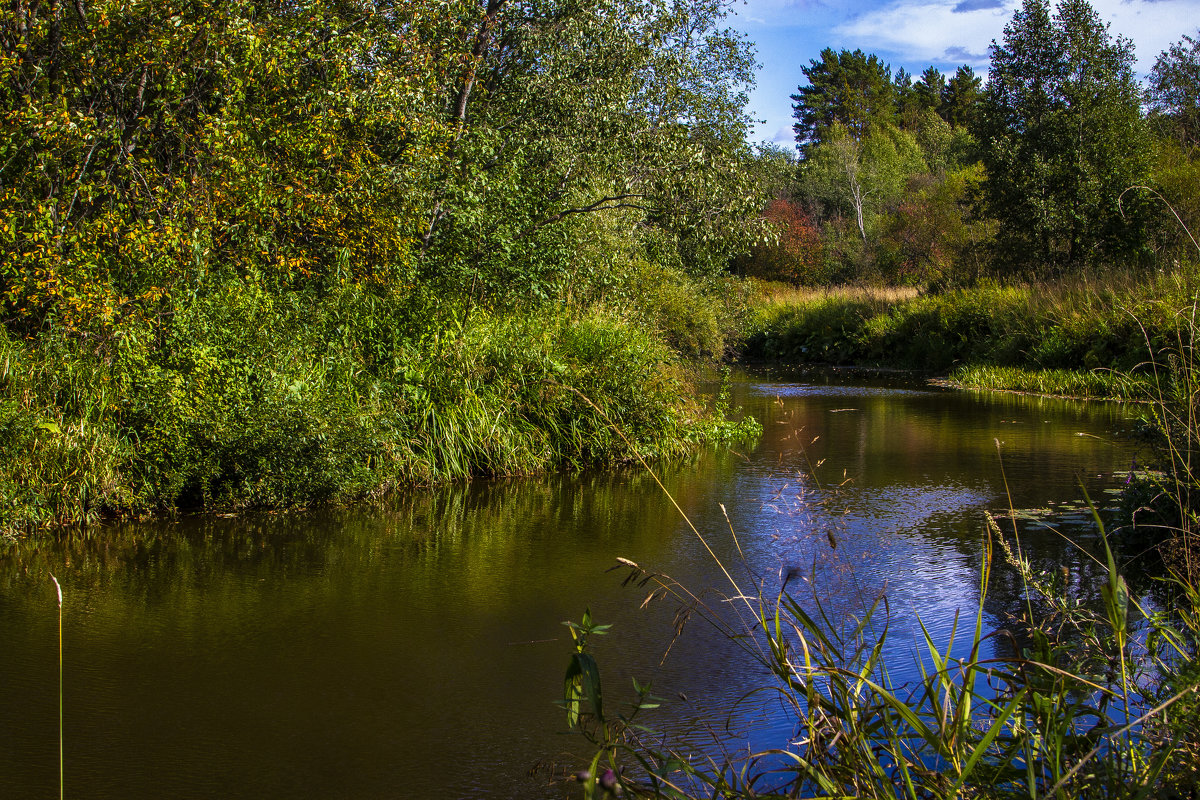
{"x": 590, "y": 674}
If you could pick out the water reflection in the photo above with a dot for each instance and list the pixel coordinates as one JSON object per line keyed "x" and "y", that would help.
{"x": 414, "y": 648}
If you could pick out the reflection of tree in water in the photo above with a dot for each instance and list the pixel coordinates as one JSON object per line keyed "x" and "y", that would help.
{"x": 481, "y": 531}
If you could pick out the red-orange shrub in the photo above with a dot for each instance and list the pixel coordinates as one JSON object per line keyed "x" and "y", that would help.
{"x": 796, "y": 256}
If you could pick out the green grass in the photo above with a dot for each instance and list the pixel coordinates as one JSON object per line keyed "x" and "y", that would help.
{"x": 1097, "y": 384}
{"x": 1082, "y": 325}
{"x": 246, "y": 400}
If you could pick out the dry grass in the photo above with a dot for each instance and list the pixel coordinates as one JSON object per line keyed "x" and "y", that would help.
{"x": 784, "y": 294}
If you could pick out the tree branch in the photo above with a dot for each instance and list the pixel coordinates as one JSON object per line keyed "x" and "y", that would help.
{"x": 603, "y": 204}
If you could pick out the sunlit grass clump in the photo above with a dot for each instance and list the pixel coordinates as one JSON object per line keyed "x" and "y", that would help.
{"x": 1093, "y": 385}
{"x": 245, "y": 400}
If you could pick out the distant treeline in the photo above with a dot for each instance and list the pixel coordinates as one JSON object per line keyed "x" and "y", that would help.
{"x": 1062, "y": 162}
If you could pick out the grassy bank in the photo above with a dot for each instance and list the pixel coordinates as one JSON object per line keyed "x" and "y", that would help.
{"x": 242, "y": 399}
{"x": 1077, "y": 336}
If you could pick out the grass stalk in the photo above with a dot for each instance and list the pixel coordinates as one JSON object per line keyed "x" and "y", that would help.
{"x": 61, "y": 758}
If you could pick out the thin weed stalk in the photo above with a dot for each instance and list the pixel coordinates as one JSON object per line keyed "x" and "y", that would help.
{"x": 61, "y": 756}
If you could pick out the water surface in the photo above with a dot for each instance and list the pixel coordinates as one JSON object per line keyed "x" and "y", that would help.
{"x": 414, "y": 648}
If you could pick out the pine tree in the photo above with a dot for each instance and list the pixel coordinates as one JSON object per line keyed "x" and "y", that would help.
{"x": 930, "y": 88}
{"x": 961, "y": 98}
{"x": 848, "y": 88}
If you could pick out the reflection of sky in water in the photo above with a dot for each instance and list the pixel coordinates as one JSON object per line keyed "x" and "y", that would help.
{"x": 812, "y": 390}
{"x": 903, "y": 540}
{"x": 918, "y": 543}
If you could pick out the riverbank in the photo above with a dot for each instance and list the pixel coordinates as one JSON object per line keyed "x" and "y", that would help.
{"x": 253, "y": 400}
{"x": 241, "y": 399}
{"x": 1089, "y": 337}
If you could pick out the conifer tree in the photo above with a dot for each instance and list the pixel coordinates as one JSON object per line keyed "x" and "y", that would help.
{"x": 848, "y": 88}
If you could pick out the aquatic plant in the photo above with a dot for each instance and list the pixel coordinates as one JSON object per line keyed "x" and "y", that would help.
{"x": 1091, "y": 385}
{"x": 1083, "y": 703}
{"x": 61, "y": 754}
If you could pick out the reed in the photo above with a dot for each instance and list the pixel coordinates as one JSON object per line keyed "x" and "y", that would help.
{"x": 1091, "y": 702}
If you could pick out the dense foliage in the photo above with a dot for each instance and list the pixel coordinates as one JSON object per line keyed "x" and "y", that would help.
{"x": 150, "y": 153}
{"x": 1174, "y": 91}
{"x": 271, "y": 253}
{"x": 1062, "y": 137}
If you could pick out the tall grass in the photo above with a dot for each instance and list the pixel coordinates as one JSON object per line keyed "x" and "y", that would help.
{"x": 256, "y": 400}
{"x": 1172, "y": 389}
{"x": 1074, "y": 702}
{"x": 1085, "y": 708}
{"x": 769, "y": 294}
{"x": 1081, "y": 323}
{"x": 1086, "y": 385}
{"x": 1163, "y": 504}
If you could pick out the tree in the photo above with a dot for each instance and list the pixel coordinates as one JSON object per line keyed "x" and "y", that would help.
{"x": 932, "y": 234}
{"x": 844, "y": 88}
{"x": 775, "y": 169}
{"x": 930, "y": 88}
{"x": 149, "y": 150}
{"x": 862, "y": 177}
{"x": 572, "y": 109}
{"x": 1174, "y": 92}
{"x": 1062, "y": 138}
{"x": 908, "y": 103}
{"x": 796, "y": 256}
{"x": 961, "y": 98}
{"x": 1173, "y": 97}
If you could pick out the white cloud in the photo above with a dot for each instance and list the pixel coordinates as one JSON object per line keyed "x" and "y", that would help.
{"x": 784, "y": 136}
{"x": 916, "y": 33}
{"x": 1153, "y": 26}
{"x": 930, "y": 30}
{"x": 924, "y": 31}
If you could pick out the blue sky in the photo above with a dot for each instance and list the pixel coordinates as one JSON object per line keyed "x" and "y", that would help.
{"x": 914, "y": 34}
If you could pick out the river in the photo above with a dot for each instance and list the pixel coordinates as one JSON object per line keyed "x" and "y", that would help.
{"x": 414, "y": 647}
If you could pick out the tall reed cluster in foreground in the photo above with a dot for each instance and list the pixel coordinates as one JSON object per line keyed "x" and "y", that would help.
{"x": 1074, "y": 700}
{"x": 1091, "y": 704}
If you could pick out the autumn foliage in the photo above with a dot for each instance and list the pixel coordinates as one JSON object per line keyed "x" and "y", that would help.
{"x": 796, "y": 256}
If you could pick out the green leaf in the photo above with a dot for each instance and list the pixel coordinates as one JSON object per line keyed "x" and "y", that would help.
{"x": 590, "y": 675}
